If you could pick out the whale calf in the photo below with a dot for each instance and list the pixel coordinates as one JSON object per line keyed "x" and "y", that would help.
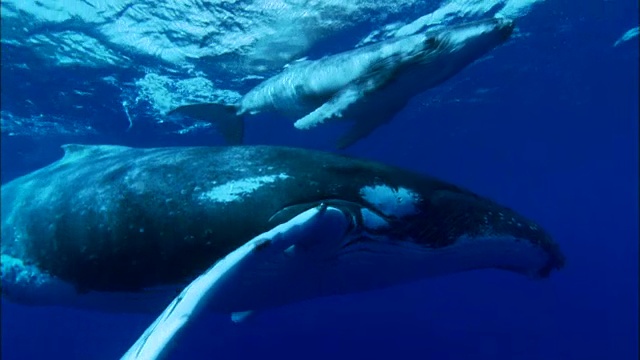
{"x": 115, "y": 228}
{"x": 367, "y": 85}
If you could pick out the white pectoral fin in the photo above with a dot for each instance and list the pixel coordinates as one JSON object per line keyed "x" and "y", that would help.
{"x": 307, "y": 230}
{"x": 332, "y": 108}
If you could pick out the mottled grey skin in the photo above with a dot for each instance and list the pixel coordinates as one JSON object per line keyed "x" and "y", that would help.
{"x": 111, "y": 218}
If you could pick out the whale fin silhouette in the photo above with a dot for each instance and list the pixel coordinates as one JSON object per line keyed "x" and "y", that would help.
{"x": 223, "y": 116}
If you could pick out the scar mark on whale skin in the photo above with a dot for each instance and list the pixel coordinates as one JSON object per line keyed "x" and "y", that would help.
{"x": 234, "y": 190}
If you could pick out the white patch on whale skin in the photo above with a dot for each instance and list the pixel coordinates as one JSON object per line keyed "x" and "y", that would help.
{"x": 234, "y": 190}
{"x": 391, "y": 202}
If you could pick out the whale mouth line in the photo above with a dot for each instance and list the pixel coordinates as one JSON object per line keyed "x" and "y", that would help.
{"x": 504, "y": 252}
{"x": 376, "y": 244}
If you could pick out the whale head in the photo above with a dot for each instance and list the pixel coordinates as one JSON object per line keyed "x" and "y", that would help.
{"x": 409, "y": 232}
{"x": 475, "y": 38}
{"x": 452, "y": 48}
{"x": 401, "y": 233}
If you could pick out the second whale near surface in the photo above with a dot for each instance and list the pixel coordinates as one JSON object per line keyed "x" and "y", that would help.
{"x": 368, "y": 85}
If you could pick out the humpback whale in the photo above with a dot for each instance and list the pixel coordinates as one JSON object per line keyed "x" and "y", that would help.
{"x": 367, "y": 85}
{"x": 240, "y": 229}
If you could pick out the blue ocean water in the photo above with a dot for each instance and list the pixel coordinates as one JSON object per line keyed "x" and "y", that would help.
{"x": 546, "y": 124}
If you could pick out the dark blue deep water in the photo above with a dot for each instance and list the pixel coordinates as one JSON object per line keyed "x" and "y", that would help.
{"x": 555, "y": 138}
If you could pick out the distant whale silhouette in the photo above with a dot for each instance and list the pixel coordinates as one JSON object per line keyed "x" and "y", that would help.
{"x": 367, "y": 85}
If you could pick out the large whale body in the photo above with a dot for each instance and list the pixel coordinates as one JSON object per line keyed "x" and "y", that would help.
{"x": 118, "y": 228}
{"x": 367, "y": 85}
{"x": 118, "y": 219}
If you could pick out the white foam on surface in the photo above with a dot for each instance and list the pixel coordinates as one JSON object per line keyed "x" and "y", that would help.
{"x": 165, "y": 93}
{"x": 69, "y": 48}
{"x": 178, "y": 31}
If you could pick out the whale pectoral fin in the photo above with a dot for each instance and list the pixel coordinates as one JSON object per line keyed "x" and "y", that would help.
{"x": 224, "y": 117}
{"x": 332, "y": 108}
{"x": 310, "y": 230}
{"x": 344, "y": 98}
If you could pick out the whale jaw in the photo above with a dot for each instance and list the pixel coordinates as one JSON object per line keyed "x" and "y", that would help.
{"x": 378, "y": 263}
